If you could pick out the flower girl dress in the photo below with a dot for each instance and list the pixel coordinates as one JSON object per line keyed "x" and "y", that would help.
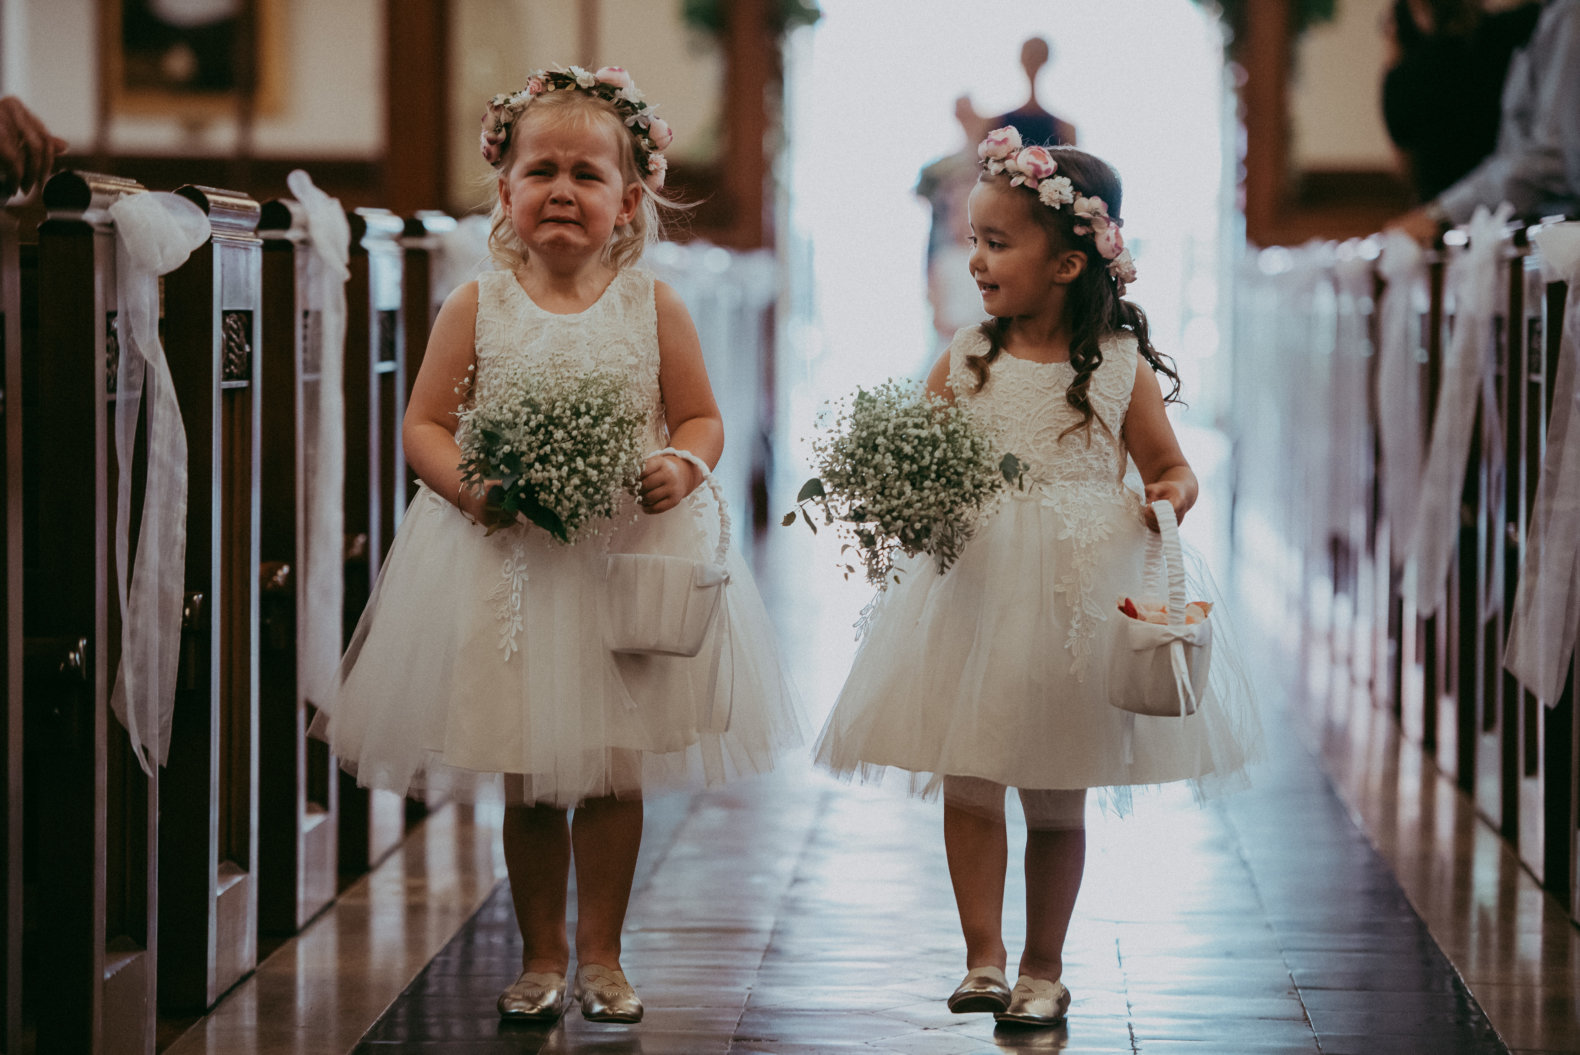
{"x": 998, "y": 668}
{"x": 479, "y": 666}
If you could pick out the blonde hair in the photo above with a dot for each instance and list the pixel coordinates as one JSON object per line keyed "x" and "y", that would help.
{"x": 581, "y": 110}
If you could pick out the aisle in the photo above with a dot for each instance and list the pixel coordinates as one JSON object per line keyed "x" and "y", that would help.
{"x": 794, "y": 915}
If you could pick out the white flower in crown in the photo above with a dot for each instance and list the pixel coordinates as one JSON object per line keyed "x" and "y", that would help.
{"x": 1056, "y": 191}
{"x": 1123, "y": 268}
{"x": 657, "y": 165}
{"x": 584, "y": 79}
{"x": 999, "y": 144}
{"x": 993, "y": 165}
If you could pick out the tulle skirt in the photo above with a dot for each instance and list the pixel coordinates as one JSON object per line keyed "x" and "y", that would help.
{"x": 479, "y": 669}
{"x": 998, "y": 668}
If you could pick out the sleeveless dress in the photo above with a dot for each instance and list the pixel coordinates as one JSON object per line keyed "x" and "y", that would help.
{"x": 997, "y": 669}
{"x": 478, "y": 667}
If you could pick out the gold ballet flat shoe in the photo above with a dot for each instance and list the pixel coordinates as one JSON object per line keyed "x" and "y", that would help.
{"x": 984, "y": 989}
{"x": 1034, "y": 1002}
{"x": 606, "y": 996}
{"x": 537, "y": 996}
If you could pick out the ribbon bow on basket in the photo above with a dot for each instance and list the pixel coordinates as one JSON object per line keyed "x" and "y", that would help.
{"x": 1160, "y": 669}
{"x": 662, "y": 605}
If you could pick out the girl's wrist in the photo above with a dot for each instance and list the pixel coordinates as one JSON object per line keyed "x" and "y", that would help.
{"x": 690, "y": 473}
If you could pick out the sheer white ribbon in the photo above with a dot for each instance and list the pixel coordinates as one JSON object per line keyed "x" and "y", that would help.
{"x": 1399, "y": 388}
{"x": 1350, "y": 411}
{"x": 1547, "y": 605}
{"x": 322, "y": 580}
{"x": 1467, "y": 378}
{"x": 155, "y": 233}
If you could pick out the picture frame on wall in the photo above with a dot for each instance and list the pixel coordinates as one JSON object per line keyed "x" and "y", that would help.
{"x": 192, "y": 58}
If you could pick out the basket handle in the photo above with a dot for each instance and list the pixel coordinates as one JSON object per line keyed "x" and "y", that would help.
{"x": 1173, "y": 560}
{"x": 718, "y": 496}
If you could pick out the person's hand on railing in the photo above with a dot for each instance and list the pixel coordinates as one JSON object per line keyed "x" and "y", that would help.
{"x": 27, "y": 150}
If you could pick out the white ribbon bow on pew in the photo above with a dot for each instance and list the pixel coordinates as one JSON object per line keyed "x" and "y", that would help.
{"x": 1467, "y": 377}
{"x": 1547, "y": 604}
{"x": 323, "y": 579}
{"x": 154, "y": 234}
{"x": 1399, "y": 389}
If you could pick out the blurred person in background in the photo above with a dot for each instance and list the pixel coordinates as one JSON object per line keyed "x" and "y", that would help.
{"x": 1536, "y": 163}
{"x": 1037, "y": 127}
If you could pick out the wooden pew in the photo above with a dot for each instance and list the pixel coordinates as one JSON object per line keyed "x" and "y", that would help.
{"x": 11, "y": 885}
{"x": 298, "y": 810}
{"x": 208, "y": 838}
{"x": 91, "y": 816}
{"x": 372, "y": 823}
{"x": 422, "y": 242}
{"x": 1549, "y": 769}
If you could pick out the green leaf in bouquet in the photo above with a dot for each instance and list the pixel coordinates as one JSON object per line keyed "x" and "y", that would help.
{"x": 810, "y": 522}
{"x": 542, "y": 516}
{"x": 813, "y": 488}
{"x": 789, "y": 518}
{"x": 1014, "y": 472}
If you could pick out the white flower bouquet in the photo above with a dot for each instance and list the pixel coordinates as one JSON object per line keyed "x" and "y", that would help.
{"x": 556, "y": 451}
{"x": 899, "y": 470}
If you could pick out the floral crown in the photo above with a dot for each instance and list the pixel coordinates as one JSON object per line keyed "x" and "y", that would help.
{"x": 1035, "y": 169}
{"x": 611, "y": 84}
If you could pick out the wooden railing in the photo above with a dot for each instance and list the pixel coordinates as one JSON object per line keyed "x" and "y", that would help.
{"x": 150, "y": 895}
{"x": 1334, "y": 422}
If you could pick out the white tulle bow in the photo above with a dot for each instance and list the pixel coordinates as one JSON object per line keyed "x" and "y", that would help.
{"x": 1546, "y": 615}
{"x": 1467, "y": 376}
{"x": 1399, "y": 389}
{"x": 155, "y": 233}
{"x": 322, "y": 579}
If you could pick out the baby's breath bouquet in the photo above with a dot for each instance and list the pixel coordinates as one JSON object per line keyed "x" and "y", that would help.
{"x": 562, "y": 447}
{"x": 901, "y": 470}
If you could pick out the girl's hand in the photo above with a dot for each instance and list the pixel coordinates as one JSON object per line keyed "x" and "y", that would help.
{"x": 1166, "y": 491}
{"x": 479, "y": 506}
{"x": 666, "y": 480}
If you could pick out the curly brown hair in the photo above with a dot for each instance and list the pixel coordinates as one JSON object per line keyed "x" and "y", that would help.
{"x": 1094, "y": 305}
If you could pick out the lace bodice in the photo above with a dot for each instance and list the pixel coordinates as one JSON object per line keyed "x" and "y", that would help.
{"x": 1023, "y": 408}
{"x": 618, "y": 334}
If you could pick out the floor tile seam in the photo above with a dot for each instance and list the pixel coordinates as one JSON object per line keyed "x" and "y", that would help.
{"x": 819, "y": 810}
{"x": 1308, "y": 739}
{"x": 1237, "y": 837}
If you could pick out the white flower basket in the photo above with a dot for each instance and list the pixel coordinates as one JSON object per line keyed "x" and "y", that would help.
{"x": 1160, "y": 670}
{"x": 660, "y": 605}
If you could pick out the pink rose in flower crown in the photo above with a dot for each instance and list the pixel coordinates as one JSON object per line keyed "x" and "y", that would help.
{"x": 660, "y": 133}
{"x": 999, "y": 144}
{"x": 1036, "y": 164}
{"x": 616, "y": 76}
{"x": 1105, "y": 233}
{"x": 496, "y": 128}
{"x": 535, "y": 86}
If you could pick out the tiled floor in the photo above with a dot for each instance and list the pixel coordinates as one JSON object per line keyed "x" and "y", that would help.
{"x": 794, "y": 915}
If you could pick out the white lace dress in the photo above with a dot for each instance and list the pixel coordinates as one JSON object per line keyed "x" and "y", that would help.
{"x": 998, "y": 668}
{"x": 479, "y": 667}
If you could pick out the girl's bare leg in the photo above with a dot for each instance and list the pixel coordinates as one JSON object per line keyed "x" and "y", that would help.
{"x": 538, "y": 858}
{"x": 978, "y": 852}
{"x": 1055, "y": 860}
{"x": 607, "y": 833}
